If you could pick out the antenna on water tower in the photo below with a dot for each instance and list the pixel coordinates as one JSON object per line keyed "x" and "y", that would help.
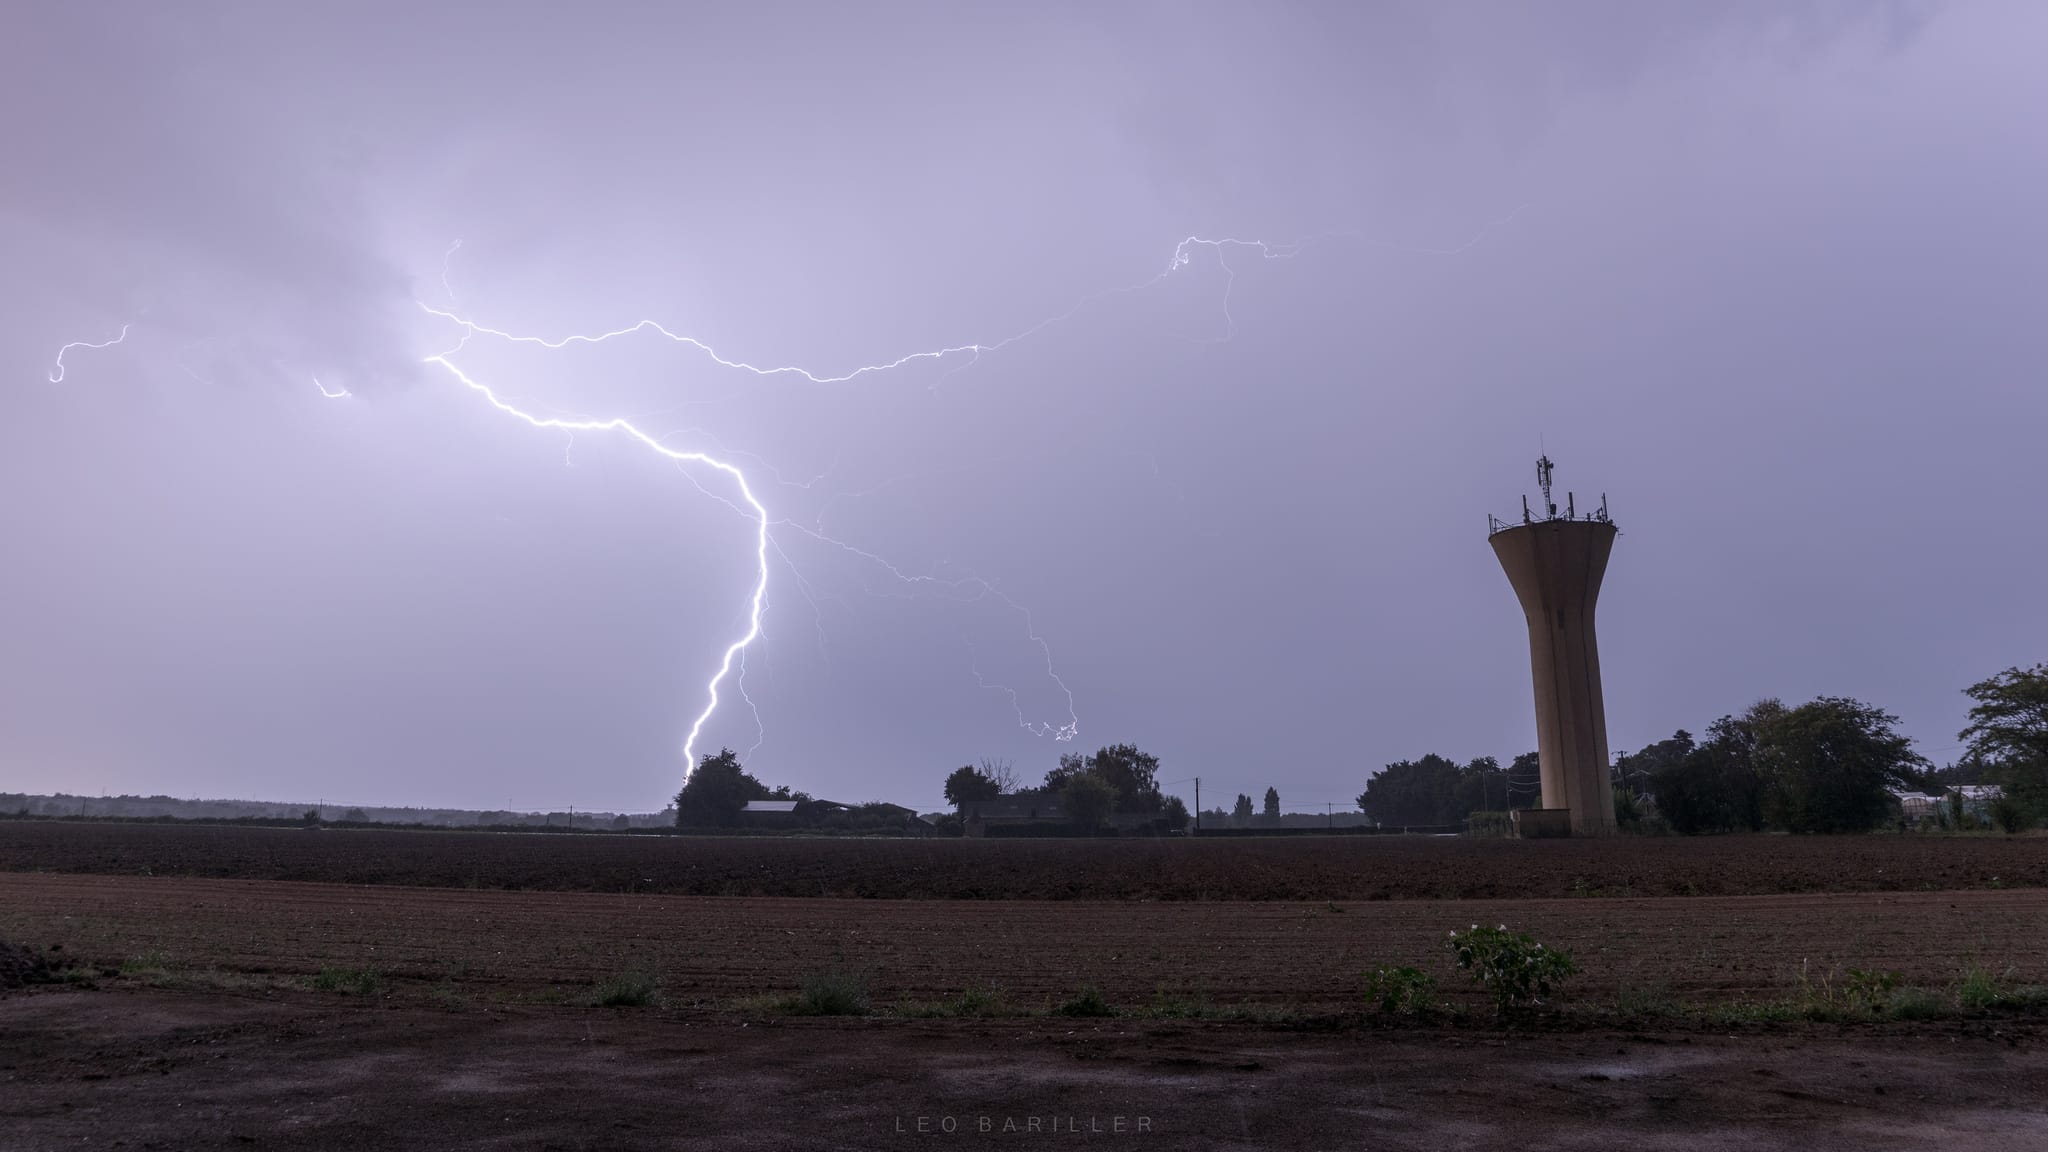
{"x": 1543, "y": 467}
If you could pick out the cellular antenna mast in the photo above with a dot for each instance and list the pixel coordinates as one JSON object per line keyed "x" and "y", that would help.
{"x": 1543, "y": 467}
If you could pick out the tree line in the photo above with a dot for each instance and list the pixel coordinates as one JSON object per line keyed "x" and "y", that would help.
{"x": 721, "y": 788}
{"x": 1091, "y": 790}
{"x": 1833, "y": 764}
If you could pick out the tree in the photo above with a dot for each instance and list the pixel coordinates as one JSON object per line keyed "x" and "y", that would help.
{"x": 1718, "y": 785}
{"x": 1628, "y": 810}
{"x": 1089, "y": 799}
{"x": 1271, "y": 813}
{"x": 1002, "y": 773}
{"x": 968, "y": 784}
{"x": 2008, "y": 732}
{"x": 1241, "y": 812}
{"x": 716, "y": 792}
{"x": 1176, "y": 812}
{"x": 1132, "y": 773}
{"x": 355, "y": 816}
{"x": 622, "y": 822}
{"x": 1830, "y": 763}
{"x": 1525, "y": 781}
{"x": 1437, "y": 790}
{"x": 1634, "y": 771}
{"x": 1071, "y": 764}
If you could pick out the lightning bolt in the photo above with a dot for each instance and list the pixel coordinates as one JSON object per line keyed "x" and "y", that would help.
{"x": 57, "y": 370}
{"x": 756, "y": 603}
{"x": 732, "y": 663}
{"x": 1182, "y": 256}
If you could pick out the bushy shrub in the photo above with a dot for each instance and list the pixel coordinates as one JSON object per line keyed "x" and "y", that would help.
{"x": 21, "y": 964}
{"x": 831, "y": 992}
{"x": 1487, "y": 824}
{"x": 1517, "y": 970}
{"x": 1868, "y": 990}
{"x": 1400, "y": 991}
{"x": 2010, "y": 815}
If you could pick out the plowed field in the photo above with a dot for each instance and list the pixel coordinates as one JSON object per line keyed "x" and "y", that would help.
{"x": 1298, "y": 868}
{"x": 709, "y": 950}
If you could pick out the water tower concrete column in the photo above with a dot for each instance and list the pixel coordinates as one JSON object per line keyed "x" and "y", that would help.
{"x": 1555, "y": 564}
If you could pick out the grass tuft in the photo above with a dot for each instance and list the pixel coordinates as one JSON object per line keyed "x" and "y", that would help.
{"x": 1087, "y": 1002}
{"x": 348, "y": 981}
{"x": 629, "y": 989}
{"x": 971, "y": 1004}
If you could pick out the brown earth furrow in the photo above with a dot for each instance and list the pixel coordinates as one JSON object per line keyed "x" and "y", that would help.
{"x": 1297, "y": 868}
{"x": 718, "y": 948}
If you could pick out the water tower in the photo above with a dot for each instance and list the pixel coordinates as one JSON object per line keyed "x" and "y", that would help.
{"x": 1555, "y": 561}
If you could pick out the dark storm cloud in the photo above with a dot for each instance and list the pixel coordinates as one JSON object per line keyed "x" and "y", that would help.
{"x": 1769, "y": 281}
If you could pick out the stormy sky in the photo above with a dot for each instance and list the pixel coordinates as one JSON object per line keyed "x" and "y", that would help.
{"x": 1770, "y": 276}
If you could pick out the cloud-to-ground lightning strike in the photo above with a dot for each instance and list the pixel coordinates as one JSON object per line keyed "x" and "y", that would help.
{"x": 57, "y": 370}
{"x": 757, "y": 602}
{"x": 734, "y": 655}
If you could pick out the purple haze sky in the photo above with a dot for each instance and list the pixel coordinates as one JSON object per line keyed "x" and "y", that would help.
{"x": 1773, "y": 281}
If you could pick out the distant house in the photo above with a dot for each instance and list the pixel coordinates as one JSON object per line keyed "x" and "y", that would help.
{"x": 768, "y": 814}
{"x": 1040, "y": 812}
{"x": 1037, "y": 807}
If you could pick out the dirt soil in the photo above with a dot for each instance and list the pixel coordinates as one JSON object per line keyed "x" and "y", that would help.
{"x": 712, "y": 950}
{"x": 154, "y": 1069}
{"x": 1296, "y": 868}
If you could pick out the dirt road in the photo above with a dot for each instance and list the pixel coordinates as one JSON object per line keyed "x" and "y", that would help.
{"x": 190, "y": 1071}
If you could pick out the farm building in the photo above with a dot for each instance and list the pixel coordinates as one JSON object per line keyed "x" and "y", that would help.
{"x": 1040, "y": 812}
{"x": 1977, "y": 798}
{"x": 1915, "y": 806}
{"x": 1021, "y": 809}
{"x": 769, "y": 814}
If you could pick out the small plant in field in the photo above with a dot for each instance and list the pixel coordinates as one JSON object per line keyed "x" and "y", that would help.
{"x": 1868, "y": 990}
{"x": 1087, "y": 1002}
{"x": 1172, "y": 1004}
{"x": 973, "y": 1003}
{"x": 626, "y": 990}
{"x": 349, "y": 981}
{"x": 1400, "y": 991}
{"x": 1980, "y": 990}
{"x": 1917, "y": 1004}
{"x": 154, "y": 962}
{"x": 976, "y": 1002}
{"x": 831, "y": 992}
{"x": 1517, "y": 970}
{"x": 1646, "y": 1002}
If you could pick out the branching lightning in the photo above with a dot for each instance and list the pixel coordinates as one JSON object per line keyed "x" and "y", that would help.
{"x": 695, "y": 463}
{"x": 57, "y": 370}
{"x": 756, "y": 603}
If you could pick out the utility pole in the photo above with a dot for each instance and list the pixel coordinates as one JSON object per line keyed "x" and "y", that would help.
{"x": 1329, "y": 815}
{"x": 1198, "y": 803}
